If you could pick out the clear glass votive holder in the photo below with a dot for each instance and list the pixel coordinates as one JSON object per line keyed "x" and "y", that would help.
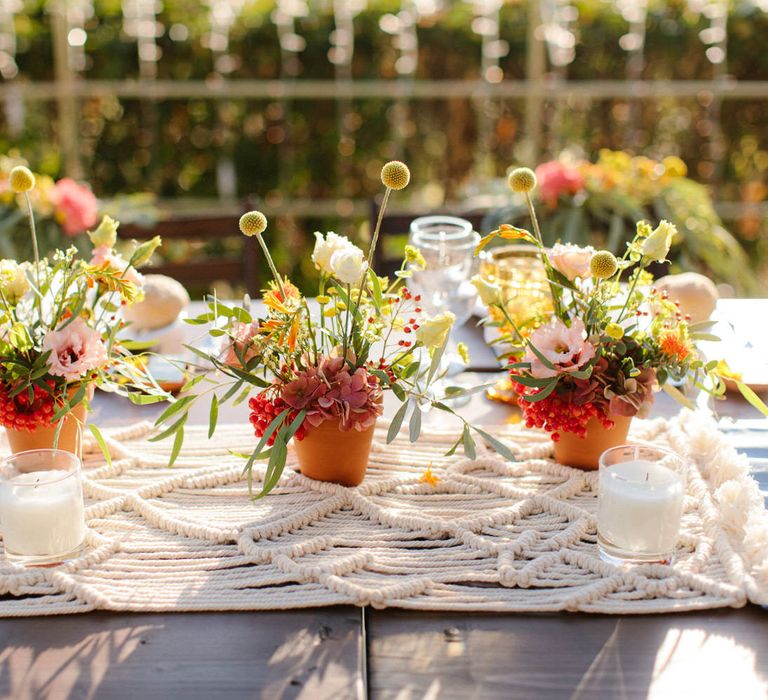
{"x": 640, "y": 504}
{"x": 42, "y": 513}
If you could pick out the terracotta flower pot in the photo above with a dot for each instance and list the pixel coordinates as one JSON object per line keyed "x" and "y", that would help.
{"x": 584, "y": 453}
{"x": 70, "y": 436}
{"x": 329, "y": 454}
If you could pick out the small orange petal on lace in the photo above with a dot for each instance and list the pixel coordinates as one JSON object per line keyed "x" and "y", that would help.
{"x": 428, "y": 477}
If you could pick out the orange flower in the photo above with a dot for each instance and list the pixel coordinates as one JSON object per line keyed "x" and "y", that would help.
{"x": 293, "y": 333}
{"x": 273, "y": 297}
{"x": 674, "y": 346}
{"x": 508, "y": 232}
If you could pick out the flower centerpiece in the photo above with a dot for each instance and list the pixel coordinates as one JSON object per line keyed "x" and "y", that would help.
{"x": 59, "y": 325}
{"x": 609, "y": 344}
{"x": 320, "y": 368}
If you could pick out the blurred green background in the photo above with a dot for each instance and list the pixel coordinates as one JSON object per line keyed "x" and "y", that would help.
{"x": 206, "y": 104}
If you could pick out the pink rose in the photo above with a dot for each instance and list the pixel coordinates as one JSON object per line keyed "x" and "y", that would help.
{"x": 555, "y": 178}
{"x": 565, "y": 348}
{"x": 75, "y": 205}
{"x": 103, "y": 254}
{"x": 75, "y": 350}
{"x": 571, "y": 260}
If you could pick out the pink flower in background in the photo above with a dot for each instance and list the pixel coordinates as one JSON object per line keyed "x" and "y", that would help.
{"x": 556, "y": 178}
{"x": 571, "y": 260}
{"x": 565, "y": 348}
{"x": 75, "y": 205}
{"x": 103, "y": 254}
{"x": 75, "y": 350}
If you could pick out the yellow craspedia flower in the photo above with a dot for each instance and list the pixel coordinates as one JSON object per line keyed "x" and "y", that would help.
{"x": 615, "y": 331}
{"x": 395, "y": 175}
{"x": 522, "y": 180}
{"x": 21, "y": 179}
{"x": 253, "y": 223}
{"x": 322, "y": 299}
{"x": 603, "y": 265}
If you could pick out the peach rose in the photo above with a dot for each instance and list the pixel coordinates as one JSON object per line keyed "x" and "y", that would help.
{"x": 571, "y": 260}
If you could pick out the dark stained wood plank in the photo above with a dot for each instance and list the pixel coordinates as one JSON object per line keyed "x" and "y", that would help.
{"x": 308, "y": 655}
{"x": 718, "y": 654}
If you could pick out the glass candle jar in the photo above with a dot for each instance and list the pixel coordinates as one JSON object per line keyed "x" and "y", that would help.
{"x": 640, "y": 504}
{"x": 520, "y": 274}
{"x": 42, "y": 514}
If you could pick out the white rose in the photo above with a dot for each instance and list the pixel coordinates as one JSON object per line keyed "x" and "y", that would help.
{"x": 348, "y": 264}
{"x": 325, "y": 247}
{"x": 434, "y": 332}
{"x": 657, "y": 245}
{"x": 488, "y": 292}
{"x": 13, "y": 280}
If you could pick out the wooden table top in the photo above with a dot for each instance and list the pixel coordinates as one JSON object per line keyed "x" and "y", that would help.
{"x": 345, "y": 652}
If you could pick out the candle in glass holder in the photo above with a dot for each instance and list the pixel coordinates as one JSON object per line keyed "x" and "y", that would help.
{"x": 42, "y": 515}
{"x": 640, "y": 503}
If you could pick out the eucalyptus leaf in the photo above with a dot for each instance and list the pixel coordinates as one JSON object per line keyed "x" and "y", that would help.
{"x": 397, "y": 421}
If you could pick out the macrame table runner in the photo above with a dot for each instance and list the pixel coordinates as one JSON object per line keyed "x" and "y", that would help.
{"x": 489, "y": 535}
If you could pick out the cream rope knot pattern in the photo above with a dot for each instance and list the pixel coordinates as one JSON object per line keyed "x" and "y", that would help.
{"x": 488, "y": 535}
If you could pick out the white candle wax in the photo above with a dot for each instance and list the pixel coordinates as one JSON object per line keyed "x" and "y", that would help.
{"x": 640, "y": 506}
{"x": 42, "y": 514}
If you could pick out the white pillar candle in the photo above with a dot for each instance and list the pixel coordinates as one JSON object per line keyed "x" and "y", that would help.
{"x": 42, "y": 513}
{"x": 639, "y": 507}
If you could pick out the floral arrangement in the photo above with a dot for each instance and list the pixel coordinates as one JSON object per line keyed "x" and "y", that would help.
{"x": 331, "y": 362}
{"x": 60, "y": 325}
{"x": 609, "y": 344}
{"x": 597, "y": 203}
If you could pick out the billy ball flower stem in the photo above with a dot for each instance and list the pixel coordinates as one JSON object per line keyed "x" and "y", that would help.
{"x": 523, "y": 181}
{"x": 254, "y": 223}
{"x": 395, "y": 175}
{"x": 22, "y": 181}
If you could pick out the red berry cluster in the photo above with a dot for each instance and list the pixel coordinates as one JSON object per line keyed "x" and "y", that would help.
{"x": 403, "y": 300}
{"x": 558, "y": 414}
{"x": 265, "y": 409}
{"x": 19, "y": 413}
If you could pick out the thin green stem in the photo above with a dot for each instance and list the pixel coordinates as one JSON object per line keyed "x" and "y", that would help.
{"x": 311, "y": 331}
{"x": 36, "y": 252}
{"x": 272, "y": 267}
{"x": 534, "y": 220}
{"x": 346, "y": 322}
{"x": 372, "y": 249}
{"x": 556, "y": 293}
{"x": 629, "y": 295}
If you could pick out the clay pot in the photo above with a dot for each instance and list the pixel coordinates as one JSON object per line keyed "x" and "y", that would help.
{"x": 329, "y": 454}
{"x": 584, "y": 453}
{"x": 70, "y": 436}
